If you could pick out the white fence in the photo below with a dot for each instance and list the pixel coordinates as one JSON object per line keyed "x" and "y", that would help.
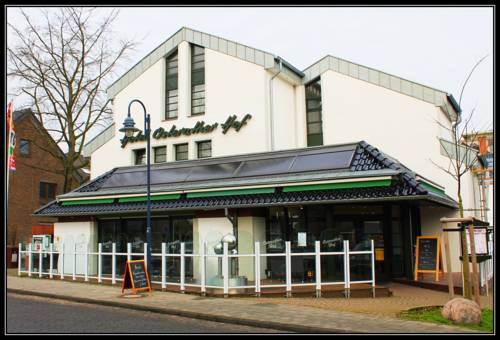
{"x": 92, "y": 264}
{"x": 486, "y": 269}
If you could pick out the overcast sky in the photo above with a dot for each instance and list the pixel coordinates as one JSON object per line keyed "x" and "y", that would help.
{"x": 434, "y": 46}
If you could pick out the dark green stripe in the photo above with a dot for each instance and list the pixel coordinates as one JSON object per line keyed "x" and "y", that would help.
{"x": 231, "y": 192}
{"x": 153, "y": 198}
{"x": 94, "y": 201}
{"x": 432, "y": 188}
{"x": 345, "y": 185}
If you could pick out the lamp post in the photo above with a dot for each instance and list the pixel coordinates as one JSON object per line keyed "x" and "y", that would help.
{"x": 129, "y": 129}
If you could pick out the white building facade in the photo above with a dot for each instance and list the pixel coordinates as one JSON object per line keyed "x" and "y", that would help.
{"x": 211, "y": 98}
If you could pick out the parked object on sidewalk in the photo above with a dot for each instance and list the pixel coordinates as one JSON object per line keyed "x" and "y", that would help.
{"x": 136, "y": 277}
{"x": 463, "y": 311}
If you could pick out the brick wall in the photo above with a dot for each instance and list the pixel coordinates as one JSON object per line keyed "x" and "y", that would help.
{"x": 24, "y": 183}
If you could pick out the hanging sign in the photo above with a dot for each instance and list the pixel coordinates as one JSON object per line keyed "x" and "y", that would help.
{"x": 428, "y": 256}
{"x": 136, "y": 277}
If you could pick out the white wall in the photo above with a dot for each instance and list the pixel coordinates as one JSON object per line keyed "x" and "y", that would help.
{"x": 81, "y": 234}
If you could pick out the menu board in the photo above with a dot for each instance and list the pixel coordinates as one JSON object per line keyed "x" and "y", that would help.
{"x": 428, "y": 255}
{"x": 136, "y": 276}
{"x": 480, "y": 241}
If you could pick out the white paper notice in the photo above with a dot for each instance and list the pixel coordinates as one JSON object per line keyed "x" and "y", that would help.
{"x": 302, "y": 240}
{"x": 480, "y": 242}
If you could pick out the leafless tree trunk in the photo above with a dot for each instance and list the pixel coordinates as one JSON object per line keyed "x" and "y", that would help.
{"x": 64, "y": 66}
{"x": 464, "y": 155}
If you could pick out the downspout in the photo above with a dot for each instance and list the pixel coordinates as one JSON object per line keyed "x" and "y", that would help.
{"x": 271, "y": 115}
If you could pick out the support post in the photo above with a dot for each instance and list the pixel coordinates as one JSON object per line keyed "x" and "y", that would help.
{"x": 19, "y": 257}
{"x": 348, "y": 270}
{"x": 183, "y": 267}
{"x": 475, "y": 274}
{"x": 449, "y": 271}
{"x": 40, "y": 261}
{"x": 61, "y": 258}
{"x": 51, "y": 260}
{"x": 225, "y": 270}
{"x": 163, "y": 267}
{"x": 87, "y": 263}
{"x": 257, "y": 268}
{"x": 30, "y": 259}
{"x": 145, "y": 244}
{"x": 288, "y": 266}
{"x": 129, "y": 251}
{"x": 372, "y": 244}
{"x": 202, "y": 268}
{"x": 465, "y": 265}
{"x": 113, "y": 263}
{"x": 74, "y": 261}
{"x": 99, "y": 262}
{"x": 317, "y": 248}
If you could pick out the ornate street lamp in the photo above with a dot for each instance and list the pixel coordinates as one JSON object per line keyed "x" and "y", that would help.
{"x": 129, "y": 130}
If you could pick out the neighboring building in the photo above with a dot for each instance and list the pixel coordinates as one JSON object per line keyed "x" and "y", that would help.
{"x": 36, "y": 182}
{"x": 483, "y": 142}
{"x": 336, "y": 151}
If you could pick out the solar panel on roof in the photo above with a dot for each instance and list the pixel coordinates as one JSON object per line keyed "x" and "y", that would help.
{"x": 212, "y": 171}
{"x": 265, "y": 166}
{"x": 323, "y": 161}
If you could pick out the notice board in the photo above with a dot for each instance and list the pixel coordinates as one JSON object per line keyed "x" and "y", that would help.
{"x": 136, "y": 276}
{"x": 428, "y": 256}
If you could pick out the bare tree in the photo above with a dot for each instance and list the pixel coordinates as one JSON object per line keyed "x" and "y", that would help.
{"x": 460, "y": 151}
{"x": 64, "y": 65}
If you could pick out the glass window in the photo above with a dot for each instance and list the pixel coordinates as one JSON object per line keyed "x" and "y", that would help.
{"x": 160, "y": 154}
{"x": 197, "y": 80}
{"x": 313, "y": 113}
{"x": 181, "y": 152}
{"x": 24, "y": 147}
{"x": 204, "y": 149}
{"x": 171, "y": 108}
{"x": 47, "y": 192}
{"x": 140, "y": 156}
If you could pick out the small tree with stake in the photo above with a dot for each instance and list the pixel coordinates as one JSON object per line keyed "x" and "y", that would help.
{"x": 463, "y": 157}
{"x": 63, "y": 65}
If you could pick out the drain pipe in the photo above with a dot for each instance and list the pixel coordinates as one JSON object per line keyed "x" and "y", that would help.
{"x": 271, "y": 116}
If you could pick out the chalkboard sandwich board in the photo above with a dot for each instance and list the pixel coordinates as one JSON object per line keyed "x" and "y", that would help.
{"x": 136, "y": 277}
{"x": 428, "y": 256}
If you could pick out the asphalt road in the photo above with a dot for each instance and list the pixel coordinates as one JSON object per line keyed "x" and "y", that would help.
{"x": 29, "y": 314}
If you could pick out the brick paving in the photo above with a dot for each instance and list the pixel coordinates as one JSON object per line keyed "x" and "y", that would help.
{"x": 297, "y": 314}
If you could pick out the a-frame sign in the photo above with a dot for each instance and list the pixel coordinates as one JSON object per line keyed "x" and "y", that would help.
{"x": 136, "y": 277}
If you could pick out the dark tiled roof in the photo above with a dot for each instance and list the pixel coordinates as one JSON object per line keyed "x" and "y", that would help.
{"x": 363, "y": 158}
{"x": 394, "y": 192}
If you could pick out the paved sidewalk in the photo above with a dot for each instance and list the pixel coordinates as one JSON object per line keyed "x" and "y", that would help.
{"x": 251, "y": 312}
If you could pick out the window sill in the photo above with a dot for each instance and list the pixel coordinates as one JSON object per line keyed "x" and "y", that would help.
{"x": 168, "y": 119}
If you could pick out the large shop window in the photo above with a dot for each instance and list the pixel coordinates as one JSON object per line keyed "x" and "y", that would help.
{"x": 171, "y": 109}
{"x": 313, "y": 113}
{"x": 197, "y": 80}
{"x": 171, "y": 230}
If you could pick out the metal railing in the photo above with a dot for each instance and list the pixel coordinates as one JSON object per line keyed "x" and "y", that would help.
{"x": 90, "y": 266}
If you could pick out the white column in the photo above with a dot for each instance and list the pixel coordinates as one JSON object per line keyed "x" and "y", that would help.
{"x": 288, "y": 266}
{"x": 257, "y": 268}
{"x": 30, "y": 259}
{"x": 99, "y": 262}
{"x": 225, "y": 270}
{"x": 318, "y": 268}
{"x": 86, "y": 263}
{"x": 113, "y": 263}
{"x": 40, "y": 261}
{"x": 51, "y": 260}
{"x": 19, "y": 257}
{"x": 203, "y": 254}
{"x": 163, "y": 266}
{"x": 61, "y": 258}
{"x": 129, "y": 251}
{"x": 74, "y": 261}
{"x": 373, "y": 267}
{"x": 348, "y": 269}
{"x": 183, "y": 267}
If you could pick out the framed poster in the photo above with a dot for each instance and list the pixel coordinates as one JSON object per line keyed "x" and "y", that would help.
{"x": 480, "y": 241}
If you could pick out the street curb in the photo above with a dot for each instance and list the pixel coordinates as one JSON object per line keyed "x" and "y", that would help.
{"x": 193, "y": 315}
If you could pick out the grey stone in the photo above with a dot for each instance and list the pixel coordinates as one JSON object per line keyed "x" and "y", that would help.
{"x": 461, "y": 310}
